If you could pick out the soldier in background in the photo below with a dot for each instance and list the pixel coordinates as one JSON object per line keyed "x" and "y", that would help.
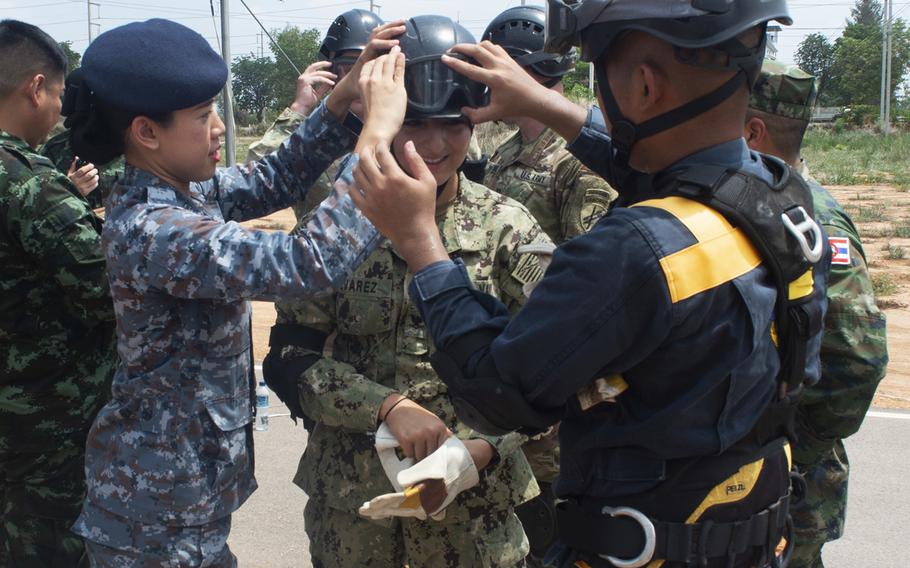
{"x": 854, "y": 351}
{"x": 533, "y": 166}
{"x": 56, "y": 317}
{"x": 347, "y": 37}
{"x": 379, "y": 371}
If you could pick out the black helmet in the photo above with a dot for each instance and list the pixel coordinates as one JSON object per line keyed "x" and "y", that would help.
{"x": 434, "y": 89}
{"x": 520, "y": 31}
{"x": 349, "y": 32}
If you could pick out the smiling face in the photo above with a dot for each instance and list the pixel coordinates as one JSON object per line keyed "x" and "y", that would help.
{"x": 190, "y": 145}
{"x": 442, "y": 143}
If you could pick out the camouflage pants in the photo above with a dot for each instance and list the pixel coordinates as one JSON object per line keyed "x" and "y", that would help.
{"x": 819, "y": 517}
{"x": 341, "y": 538}
{"x": 115, "y": 542}
{"x": 40, "y": 497}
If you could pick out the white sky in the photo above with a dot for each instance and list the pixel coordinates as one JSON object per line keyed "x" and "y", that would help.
{"x": 67, "y": 19}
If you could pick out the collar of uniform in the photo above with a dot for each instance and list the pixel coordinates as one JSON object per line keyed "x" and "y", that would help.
{"x": 157, "y": 191}
{"x": 459, "y": 231}
{"x": 734, "y": 154}
{"x": 15, "y": 143}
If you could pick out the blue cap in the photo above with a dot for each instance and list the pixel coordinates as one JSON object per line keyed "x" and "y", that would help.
{"x": 153, "y": 67}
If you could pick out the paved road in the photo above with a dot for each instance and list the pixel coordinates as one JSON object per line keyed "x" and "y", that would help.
{"x": 268, "y": 530}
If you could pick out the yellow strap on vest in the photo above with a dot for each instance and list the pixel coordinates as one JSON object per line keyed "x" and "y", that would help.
{"x": 721, "y": 254}
{"x": 802, "y": 286}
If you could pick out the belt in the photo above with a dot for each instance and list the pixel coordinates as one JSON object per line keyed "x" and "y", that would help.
{"x": 629, "y": 539}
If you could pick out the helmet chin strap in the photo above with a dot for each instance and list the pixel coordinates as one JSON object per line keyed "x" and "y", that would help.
{"x": 744, "y": 60}
{"x": 625, "y": 133}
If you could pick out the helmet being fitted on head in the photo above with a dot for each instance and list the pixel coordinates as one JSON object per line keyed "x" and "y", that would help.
{"x": 434, "y": 89}
{"x": 686, "y": 25}
{"x": 520, "y": 31}
{"x": 349, "y": 32}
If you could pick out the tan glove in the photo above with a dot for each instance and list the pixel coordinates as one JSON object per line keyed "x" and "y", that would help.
{"x": 451, "y": 463}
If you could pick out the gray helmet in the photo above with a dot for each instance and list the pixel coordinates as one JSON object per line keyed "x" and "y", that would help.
{"x": 349, "y": 32}
{"x": 434, "y": 89}
{"x": 520, "y": 31}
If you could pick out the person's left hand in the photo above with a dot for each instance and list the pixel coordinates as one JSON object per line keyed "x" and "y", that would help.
{"x": 382, "y": 39}
{"x": 400, "y": 203}
{"x": 85, "y": 178}
{"x": 312, "y": 85}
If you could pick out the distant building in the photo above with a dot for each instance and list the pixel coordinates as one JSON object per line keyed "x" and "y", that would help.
{"x": 773, "y": 34}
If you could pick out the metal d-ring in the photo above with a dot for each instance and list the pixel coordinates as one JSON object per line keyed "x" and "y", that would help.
{"x": 647, "y": 553}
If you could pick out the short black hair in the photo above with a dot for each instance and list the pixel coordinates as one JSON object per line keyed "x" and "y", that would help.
{"x": 25, "y": 51}
{"x": 786, "y": 133}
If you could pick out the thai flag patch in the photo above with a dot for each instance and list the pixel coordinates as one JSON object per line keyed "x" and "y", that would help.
{"x": 840, "y": 250}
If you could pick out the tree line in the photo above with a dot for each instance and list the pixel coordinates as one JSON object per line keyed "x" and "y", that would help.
{"x": 848, "y": 69}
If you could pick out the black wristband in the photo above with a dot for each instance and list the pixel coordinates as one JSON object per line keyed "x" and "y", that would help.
{"x": 389, "y": 411}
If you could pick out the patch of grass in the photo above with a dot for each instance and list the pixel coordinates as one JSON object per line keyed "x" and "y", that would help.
{"x": 894, "y": 252}
{"x": 490, "y": 135}
{"x": 883, "y": 285}
{"x": 901, "y": 229}
{"x": 867, "y": 213}
{"x": 855, "y": 157}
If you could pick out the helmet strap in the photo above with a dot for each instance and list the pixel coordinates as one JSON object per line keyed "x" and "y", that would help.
{"x": 625, "y": 133}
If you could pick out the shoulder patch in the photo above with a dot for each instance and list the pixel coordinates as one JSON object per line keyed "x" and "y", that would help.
{"x": 840, "y": 250}
{"x": 528, "y": 269}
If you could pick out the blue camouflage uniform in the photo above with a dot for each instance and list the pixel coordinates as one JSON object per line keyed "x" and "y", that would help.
{"x": 675, "y": 337}
{"x": 170, "y": 457}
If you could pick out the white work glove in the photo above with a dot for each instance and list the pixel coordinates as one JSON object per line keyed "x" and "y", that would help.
{"x": 451, "y": 463}
{"x": 544, "y": 252}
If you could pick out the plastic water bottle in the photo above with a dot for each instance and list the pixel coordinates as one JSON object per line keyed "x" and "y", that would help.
{"x": 262, "y": 407}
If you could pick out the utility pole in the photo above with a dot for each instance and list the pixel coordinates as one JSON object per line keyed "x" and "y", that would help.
{"x": 228, "y": 93}
{"x": 885, "y": 100}
{"x": 374, "y": 7}
{"x": 888, "y": 69}
{"x": 92, "y": 25}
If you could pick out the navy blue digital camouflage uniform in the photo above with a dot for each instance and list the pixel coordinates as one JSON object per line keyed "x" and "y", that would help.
{"x": 170, "y": 457}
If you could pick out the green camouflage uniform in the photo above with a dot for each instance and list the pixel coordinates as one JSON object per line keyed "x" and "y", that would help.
{"x": 380, "y": 347}
{"x": 854, "y": 351}
{"x": 566, "y": 198}
{"x": 57, "y": 355}
{"x": 59, "y": 151}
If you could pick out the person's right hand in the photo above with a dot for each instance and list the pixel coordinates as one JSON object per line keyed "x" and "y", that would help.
{"x": 381, "y": 40}
{"x": 85, "y": 178}
{"x": 419, "y": 432}
{"x": 312, "y": 85}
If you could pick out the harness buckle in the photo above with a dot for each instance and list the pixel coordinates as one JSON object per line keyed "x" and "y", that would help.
{"x": 799, "y": 231}
{"x": 647, "y": 553}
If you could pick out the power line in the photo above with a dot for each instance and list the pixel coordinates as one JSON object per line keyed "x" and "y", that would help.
{"x": 275, "y": 43}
